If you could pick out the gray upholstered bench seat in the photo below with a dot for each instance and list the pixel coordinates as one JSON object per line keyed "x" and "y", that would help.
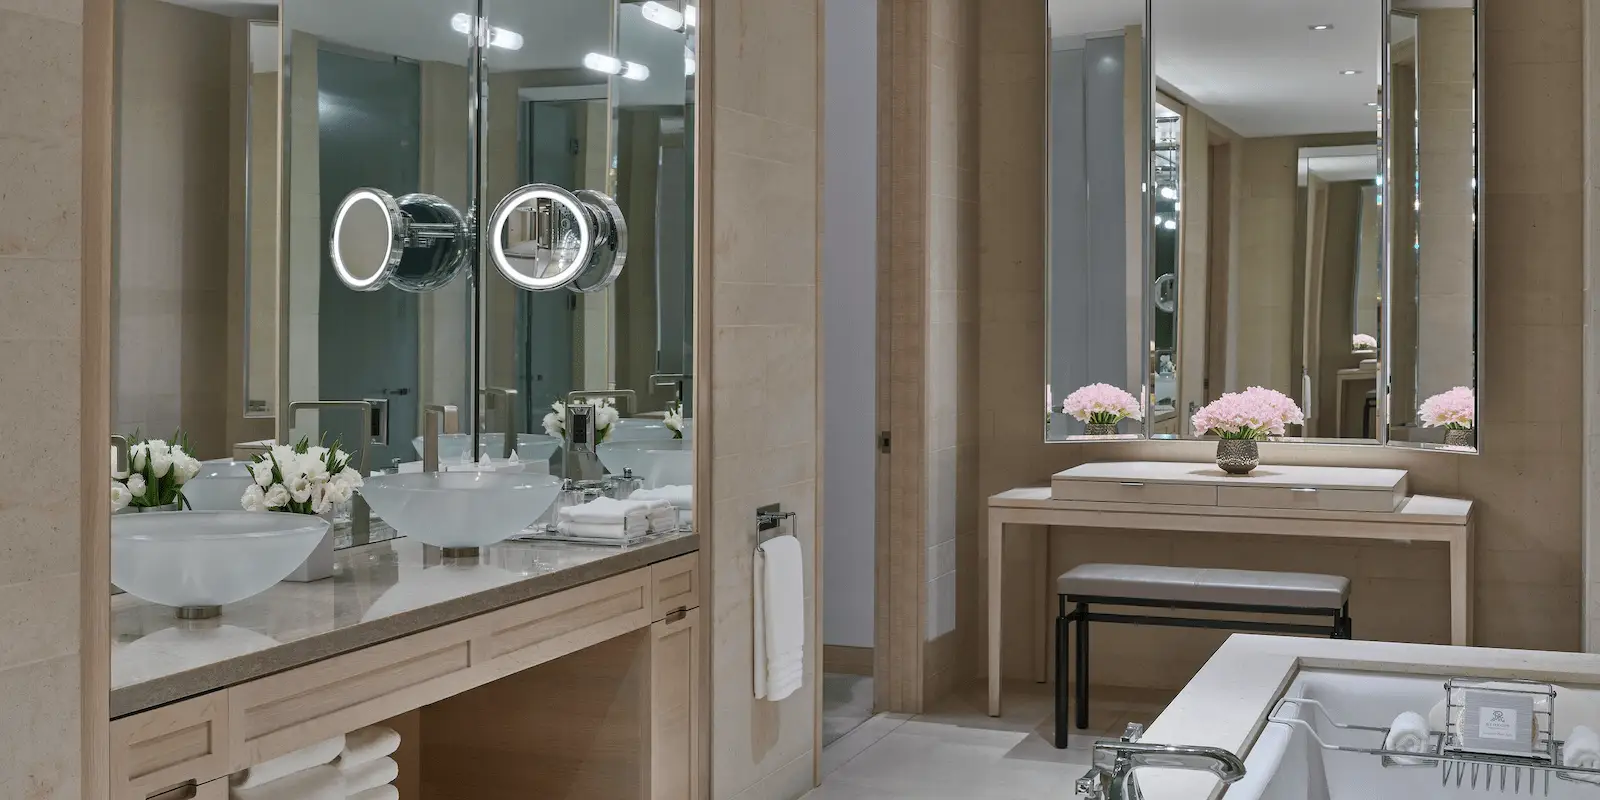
{"x": 1231, "y": 586}
{"x": 1184, "y": 588}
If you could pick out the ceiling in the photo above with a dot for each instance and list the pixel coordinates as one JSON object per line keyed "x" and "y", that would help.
{"x": 1255, "y": 65}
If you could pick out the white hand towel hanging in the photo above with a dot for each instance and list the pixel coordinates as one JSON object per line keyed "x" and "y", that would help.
{"x": 283, "y": 766}
{"x": 780, "y": 618}
{"x": 318, "y": 783}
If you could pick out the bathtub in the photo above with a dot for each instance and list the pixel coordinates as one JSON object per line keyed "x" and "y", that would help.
{"x": 1285, "y": 763}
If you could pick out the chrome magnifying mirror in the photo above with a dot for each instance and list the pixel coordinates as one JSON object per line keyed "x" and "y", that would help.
{"x": 416, "y": 243}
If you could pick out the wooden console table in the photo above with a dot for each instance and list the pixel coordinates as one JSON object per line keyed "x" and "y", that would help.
{"x": 1272, "y": 501}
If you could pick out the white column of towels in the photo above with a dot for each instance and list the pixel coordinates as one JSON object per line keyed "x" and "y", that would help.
{"x": 356, "y": 766}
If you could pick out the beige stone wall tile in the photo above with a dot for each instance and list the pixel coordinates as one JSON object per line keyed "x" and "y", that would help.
{"x": 40, "y": 620}
{"x": 39, "y": 709}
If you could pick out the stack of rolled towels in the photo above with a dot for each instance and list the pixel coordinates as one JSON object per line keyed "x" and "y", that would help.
{"x": 356, "y": 766}
{"x": 679, "y": 497}
{"x": 605, "y": 518}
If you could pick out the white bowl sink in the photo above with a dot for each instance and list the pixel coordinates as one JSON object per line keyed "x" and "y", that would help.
{"x": 205, "y": 559}
{"x": 635, "y": 429}
{"x": 668, "y": 462}
{"x": 460, "y": 509}
{"x": 530, "y": 446}
{"x": 218, "y": 486}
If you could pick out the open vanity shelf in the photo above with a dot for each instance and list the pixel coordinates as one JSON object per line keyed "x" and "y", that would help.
{"x": 589, "y": 691}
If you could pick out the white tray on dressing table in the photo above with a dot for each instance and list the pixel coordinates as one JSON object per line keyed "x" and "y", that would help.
{"x": 1323, "y": 502}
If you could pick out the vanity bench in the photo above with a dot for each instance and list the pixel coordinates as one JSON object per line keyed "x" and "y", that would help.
{"x": 1323, "y": 502}
{"x": 556, "y": 670}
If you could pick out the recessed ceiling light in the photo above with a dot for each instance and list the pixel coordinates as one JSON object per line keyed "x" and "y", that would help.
{"x": 1321, "y": 27}
{"x": 1349, "y": 72}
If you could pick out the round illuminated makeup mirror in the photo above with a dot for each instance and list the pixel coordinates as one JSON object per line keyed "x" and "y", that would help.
{"x": 417, "y": 243}
{"x": 543, "y": 237}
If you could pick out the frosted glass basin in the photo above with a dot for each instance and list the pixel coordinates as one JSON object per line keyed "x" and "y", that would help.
{"x": 218, "y": 486}
{"x": 530, "y": 446}
{"x": 633, "y": 429}
{"x": 205, "y": 559}
{"x": 460, "y": 509}
{"x": 658, "y": 463}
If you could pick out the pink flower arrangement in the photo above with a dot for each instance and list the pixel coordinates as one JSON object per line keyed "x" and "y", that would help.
{"x": 1101, "y": 404}
{"x": 1254, "y": 413}
{"x": 1455, "y": 410}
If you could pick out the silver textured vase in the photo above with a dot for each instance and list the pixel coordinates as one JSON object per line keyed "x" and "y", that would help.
{"x": 150, "y": 509}
{"x": 1092, "y": 429}
{"x": 1460, "y": 438}
{"x": 1238, "y": 456}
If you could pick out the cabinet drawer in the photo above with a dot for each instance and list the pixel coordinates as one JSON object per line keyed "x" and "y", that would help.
{"x": 167, "y": 747}
{"x": 1132, "y": 491}
{"x": 1308, "y": 498}
{"x": 675, "y": 585}
{"x": 532, "y": 633}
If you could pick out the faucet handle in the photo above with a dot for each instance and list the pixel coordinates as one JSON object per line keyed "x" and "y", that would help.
{"x": 1134, "y": 732}
{"x": 1095, "y": 784}
{"x": 448, "y": 416}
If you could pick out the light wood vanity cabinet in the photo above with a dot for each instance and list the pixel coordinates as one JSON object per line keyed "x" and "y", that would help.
{"x": 640, "y": 629}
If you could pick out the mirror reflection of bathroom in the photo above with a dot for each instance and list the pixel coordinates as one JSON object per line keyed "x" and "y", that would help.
{"x": 195, "y": 302}
{"x": 1275, "y": 253}
{"x": 1096, "y": 372}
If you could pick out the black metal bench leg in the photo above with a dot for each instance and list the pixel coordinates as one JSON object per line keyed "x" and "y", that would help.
{"x": 1062, "y": 632}
{"x": 1082, "y": 687}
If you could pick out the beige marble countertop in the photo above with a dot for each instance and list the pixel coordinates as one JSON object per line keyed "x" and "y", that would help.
{"x": 378, "y": 592}
{"x": 1227, "y": 703}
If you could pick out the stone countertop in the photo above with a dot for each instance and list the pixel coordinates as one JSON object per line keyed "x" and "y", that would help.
{"x": 378, "y": 592}
{"x": 1227, "y": 703}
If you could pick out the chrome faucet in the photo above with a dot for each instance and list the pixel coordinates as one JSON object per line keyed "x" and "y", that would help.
{"x": 673, "y": 379}
{"x": 601, "y": 394}
{"x": 506, "y": 407}
{"x": 1115, "y": 761}
{"x": 360, "y": 512}
{"x": 436, "y": 419}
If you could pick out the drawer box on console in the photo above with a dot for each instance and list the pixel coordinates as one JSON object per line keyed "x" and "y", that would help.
{"x": 1269, "y": 486}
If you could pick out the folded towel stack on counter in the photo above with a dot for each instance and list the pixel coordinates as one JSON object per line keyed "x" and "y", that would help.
{"x": 679, "y": 497}
{"x": 605, "y": 518}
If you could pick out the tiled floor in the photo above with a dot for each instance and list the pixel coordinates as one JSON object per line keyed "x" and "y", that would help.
{"x": 957, "y": 751}
{"x": 846, "y": 703}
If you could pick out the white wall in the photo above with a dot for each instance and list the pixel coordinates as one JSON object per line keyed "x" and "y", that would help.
{"x": 849, "y": 316}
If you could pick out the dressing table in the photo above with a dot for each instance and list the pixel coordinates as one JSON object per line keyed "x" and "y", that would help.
{"x": 1323, "y": 502}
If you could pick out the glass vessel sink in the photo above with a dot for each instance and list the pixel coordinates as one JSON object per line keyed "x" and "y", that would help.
{"x": 198, "y": 561}
{"x": 460, "y": 509}
{"x": 531, "y": 447}
{"x": 218, "y": 486}
{"x": 634, "y": 429}
{"x": 668, "y": 462}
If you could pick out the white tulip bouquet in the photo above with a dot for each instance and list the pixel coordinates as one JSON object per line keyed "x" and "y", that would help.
{"x": 302, "y": 479}
{"x": 605, "y": 418}
{"x": 156, "y": 473}
{"x": 674, "y": 420}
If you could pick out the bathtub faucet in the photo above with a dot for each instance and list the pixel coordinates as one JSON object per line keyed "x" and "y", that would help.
{"x": 1115, "y": 761}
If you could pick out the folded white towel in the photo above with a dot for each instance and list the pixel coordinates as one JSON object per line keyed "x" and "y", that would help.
{"x": 1582, "y": 748}
{"x": 368, "y": 744}
{"x": 283, "y": 766}
{"x": 679, "y": 496}
{"x": 380, "y": 793}
{"x": 607, "y": 510}
{"x": 318, "y": 783}
{"x": 601, "y": 530}
{"x": 663, "y": 519}
{"x": 369, "y": 775}
{"x": 780, "y": 618}
{"x": 1409, "y": 733}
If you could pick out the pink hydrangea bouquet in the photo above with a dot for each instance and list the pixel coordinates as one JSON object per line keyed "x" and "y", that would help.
{"x": 1101, "y": 404}
{"x": 1252, "y": 414}
{"x": 1453, "y": 410}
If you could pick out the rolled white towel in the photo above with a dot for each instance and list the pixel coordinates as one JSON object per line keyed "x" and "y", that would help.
{"x": 318, "y": 783}
{"x": 379, "y": 793}
{"x": 1409, "y": 733}
{"x": 369, "y": 744}
{"x": 283, "y": 766}
{"x": 1582, "y": 748}
{"x": 369, "y": 775}
{"x": 600, "y": 530}
{"x": 663, "y": 519}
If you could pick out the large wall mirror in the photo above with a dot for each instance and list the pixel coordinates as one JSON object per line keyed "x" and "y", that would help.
{"x": 1309, "y": 223}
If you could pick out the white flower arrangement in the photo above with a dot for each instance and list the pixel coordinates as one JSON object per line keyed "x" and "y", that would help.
{"x": 302, "y": 479}
{"x": 1363, "y": 342}
{"x": 156, "y": 473}
{"x": 674, "y": 420}
{"x": 605, "y": 418}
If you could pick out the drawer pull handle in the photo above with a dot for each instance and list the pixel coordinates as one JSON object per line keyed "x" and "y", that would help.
{"x": 1135, "y": 484}
{"x": 187, "y": 790}
{"x": 677, "y": 614}
{"x": 1304, "y": 490}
